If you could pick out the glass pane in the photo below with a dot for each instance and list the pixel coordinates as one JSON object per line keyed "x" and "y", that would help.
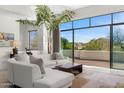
{"x": 33, "y": 40}
{"x": 65, "y": 26}
{"x": 101, "y": 20}
{"x": 66, "y": 43}
{"x": 81, "y": 23}
{"x": 118, "y": 17}
{"x": 118, "y": 47}
{"x": 92, "y": 46}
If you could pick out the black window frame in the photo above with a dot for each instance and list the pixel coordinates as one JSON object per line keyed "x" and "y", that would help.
{"x": 90, "y": 26}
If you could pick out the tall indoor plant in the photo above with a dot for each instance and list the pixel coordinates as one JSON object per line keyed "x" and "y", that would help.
{"x": 44, "y": 15}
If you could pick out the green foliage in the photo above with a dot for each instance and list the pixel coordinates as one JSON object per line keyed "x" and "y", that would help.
{"x": 44, "y": 15}
{"x": 69, "y": 46}
{"x": 65, "y": 44}
{"x": 99, "y": 44}
{"x": 92, "y": 45}
{"x": 50, "y": 19}
{"x": 26, "y": 22}
{"x": 118, "y": 39}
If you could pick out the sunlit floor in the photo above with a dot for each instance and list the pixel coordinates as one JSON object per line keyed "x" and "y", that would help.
{"x": 99, "y": 77}
{"x": 93, "y": 63}
{"x": 118, "y": 65}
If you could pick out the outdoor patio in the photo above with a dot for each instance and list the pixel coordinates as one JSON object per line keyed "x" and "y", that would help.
{"x": 105, "y": 64}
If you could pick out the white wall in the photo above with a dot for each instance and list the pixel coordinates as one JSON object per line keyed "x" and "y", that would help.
{"x": 42, "y": 37}
{"x": 95, "y": 10}
{"x": 24, "y": 35}
{"x": 23, "y": 39}
{"x": 8, "y": 24}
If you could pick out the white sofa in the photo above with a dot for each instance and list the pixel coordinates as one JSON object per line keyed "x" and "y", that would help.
{"x": 50, "y": 61}
{"x": 29, "y": 75}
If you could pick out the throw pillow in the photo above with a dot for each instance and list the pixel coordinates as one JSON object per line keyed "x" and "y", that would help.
{"x": 39, "y": 62}
{"x": 11, "y": 60}
{"x": 59, "y": 56}
{"x": 22, "y": 57}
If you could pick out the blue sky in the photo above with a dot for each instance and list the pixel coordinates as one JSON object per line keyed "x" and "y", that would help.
{"x": 85, "y": 35}
{"x": 32, "y": 35}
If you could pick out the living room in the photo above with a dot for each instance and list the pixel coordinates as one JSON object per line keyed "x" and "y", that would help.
{"x": 22, "y": 39}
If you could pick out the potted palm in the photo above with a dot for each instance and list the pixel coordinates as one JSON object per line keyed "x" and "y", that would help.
{"x": 44, "y": 15}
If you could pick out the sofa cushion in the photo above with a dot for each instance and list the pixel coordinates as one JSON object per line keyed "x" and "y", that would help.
{"x": 22, "y": 57}
{"x": 50, "y": 63}
{"x": 63, "y": 61}
{"x": 54, "y": 79}
{"x": 11, "y": 60}
{"x": 46, "y": 57}
{"x": 39, "y": 62}
{"x": 36, "y": 53}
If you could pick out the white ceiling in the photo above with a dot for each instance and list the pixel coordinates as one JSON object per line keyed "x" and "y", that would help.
{"x": 29, "y": 11}
{"x": 17, "y": 9}
{"x": 60, "y": 8}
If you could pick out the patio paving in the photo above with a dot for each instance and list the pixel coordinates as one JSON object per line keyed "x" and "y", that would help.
{"x": 105, "y": 64}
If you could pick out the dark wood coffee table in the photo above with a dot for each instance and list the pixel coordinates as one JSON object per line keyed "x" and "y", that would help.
{"x": 71, "y": 68}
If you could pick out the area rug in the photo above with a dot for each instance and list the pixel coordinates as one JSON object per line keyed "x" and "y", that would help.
{"x": 78, "y": 82}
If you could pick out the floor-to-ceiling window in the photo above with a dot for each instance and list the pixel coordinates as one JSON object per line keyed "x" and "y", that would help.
{"x": 94, "y": 40}
{"x": 118, "y": 46}
{"x": 33, "y": 40}
{"x": 91, "y": 40}
{"x": 92, "y": 46}
{"x": 118, "y": 41}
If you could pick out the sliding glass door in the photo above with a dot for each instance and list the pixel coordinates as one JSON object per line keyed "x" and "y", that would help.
{"x": 118, "y": 47}
{"x": 91, "y": 46}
